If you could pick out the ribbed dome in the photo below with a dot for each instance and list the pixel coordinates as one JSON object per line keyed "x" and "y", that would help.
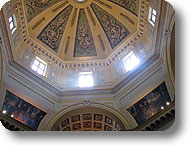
{"x": 81, "y": 29}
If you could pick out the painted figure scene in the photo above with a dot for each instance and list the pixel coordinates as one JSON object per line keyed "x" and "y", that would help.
{"x": 22, "y": 111}
{"x": 151, "y": 104}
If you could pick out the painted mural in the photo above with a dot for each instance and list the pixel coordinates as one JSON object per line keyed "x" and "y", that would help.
{"x": 84, "y": 43}
{"x": 22, "y": 111}
{"x": 115, "y": 31}
{"x": 35, "y": 7}
{"x": 130, "y": 5}
{"x": 151, "y": 104}
{"x": 52, "y": 34}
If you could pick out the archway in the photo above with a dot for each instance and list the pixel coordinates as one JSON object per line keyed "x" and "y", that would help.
{"x": 96, "y": 117}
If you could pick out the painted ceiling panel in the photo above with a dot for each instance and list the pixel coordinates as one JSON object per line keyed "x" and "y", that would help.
{"x": 130, "y": 5}
{"x": 84, "y": 43}
{"x": 35, "y": 7}
{"x": 52, "y": 34}
{"x": 115, "y": 31}
{"x": 81, "y": 30}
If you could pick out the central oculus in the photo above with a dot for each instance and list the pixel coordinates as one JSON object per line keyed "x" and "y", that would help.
{"x": 80, "y": 1}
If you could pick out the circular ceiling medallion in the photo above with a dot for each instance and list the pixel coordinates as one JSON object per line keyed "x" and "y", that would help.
{"x": 80, "y": 1}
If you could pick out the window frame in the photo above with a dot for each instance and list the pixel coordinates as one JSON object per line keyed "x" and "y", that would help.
{"x": 151, "y": 15}
{"x": 83, "y": 76}
{"x": 38, "y": 66}
{"x": 12, "y": 22}
{"x": 129, "y": 58}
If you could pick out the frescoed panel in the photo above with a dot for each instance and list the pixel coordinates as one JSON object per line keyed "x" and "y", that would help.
{"x": 22, "y": 111}
{"x": 130, "y": 5}
{"x": 115, "y": 31}
{"x": 84, "y": 43}
{"x": 35, "y": 7}
{"x": 151, "y": 104}
{"x": 52, "y": 34}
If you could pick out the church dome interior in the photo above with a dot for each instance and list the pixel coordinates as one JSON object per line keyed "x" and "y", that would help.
{"x": 87, "y": 65}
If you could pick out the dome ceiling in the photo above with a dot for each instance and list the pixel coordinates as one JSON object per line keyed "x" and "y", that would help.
{"x": 81, "y": 29}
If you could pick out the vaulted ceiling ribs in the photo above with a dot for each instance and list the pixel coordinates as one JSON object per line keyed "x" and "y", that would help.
{"x": 84, "y": 17}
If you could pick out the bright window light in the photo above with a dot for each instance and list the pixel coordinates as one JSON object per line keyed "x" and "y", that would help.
{"x": 85, "y": 79}
{"x": 39, "y": 66}
{"x": 152, "y": 16}
{"x": 4, "y": 111}
{"x": 12, "y": 23}
{"x": 130, "y": 61}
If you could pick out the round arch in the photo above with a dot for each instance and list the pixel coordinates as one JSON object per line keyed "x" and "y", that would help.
{"x": 87, "y": 118}
{"x": 170, "y": 50}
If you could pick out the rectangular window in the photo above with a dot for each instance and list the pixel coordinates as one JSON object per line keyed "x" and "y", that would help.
{"x": 12, "y": 23}
{"x": 85, "y": 79}
{"x": 39, "y": 66}
{"x": 152, "y": 16}
{"x": 130, "y": 61}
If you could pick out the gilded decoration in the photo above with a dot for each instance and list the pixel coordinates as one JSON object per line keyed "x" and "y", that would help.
{"x": 130, "y": 5}
{"x": 35, "y": 7}
{"x": 84, "y": 43}
{"x": 115, "y": 31}
{"x": 52, "y": 34}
